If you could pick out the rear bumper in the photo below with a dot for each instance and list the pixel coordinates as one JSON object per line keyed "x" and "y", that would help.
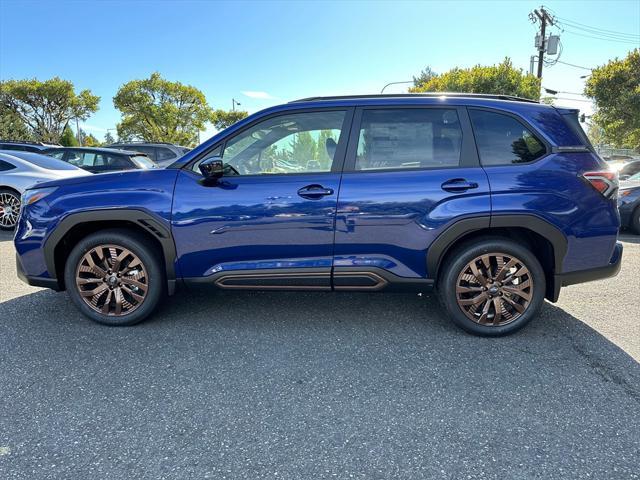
{"x": 36, "y": 281}
{"x": 582, "y": 276}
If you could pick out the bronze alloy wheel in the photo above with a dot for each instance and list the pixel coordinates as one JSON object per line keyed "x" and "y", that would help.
{"x": 112, "y": 280}
{"x": 494, "y": 289}
{"x": 9, "y": 209}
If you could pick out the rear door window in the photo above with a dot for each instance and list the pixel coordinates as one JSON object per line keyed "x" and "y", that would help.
{"x": 164, "y": 154}
{"x": 503, "y": 140}
{"x": 406, "y": 138}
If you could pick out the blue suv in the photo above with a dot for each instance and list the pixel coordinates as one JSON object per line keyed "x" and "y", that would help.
{"x": 493, "y": 201}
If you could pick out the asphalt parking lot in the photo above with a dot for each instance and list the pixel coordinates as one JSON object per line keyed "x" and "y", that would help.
{"x": 319, "y": 385}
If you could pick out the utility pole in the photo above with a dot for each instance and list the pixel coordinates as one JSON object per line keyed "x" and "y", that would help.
{"x": 543, "y": 17}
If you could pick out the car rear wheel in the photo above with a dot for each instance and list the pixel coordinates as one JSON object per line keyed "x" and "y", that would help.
{"x": 492, "y": 287}
{"x": 114, "y": 278}
{"x": 9, "y": 208}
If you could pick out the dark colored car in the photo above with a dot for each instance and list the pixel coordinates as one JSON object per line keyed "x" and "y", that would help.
{"x": 101, "y": 160}
{"x": 629, "y": 203}
{"x": 24, "y": 146}
{"x": 629, "y": 170}
{"x": 494, "y": 202}
{"x": 164, "y": 154}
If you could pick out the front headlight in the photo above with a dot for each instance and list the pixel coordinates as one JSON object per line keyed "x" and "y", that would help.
{"x": 32, "y": 196}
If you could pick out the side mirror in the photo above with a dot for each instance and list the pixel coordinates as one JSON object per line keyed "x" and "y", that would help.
{"x": 212, "y": 168}
{"x": 624, "y": 177}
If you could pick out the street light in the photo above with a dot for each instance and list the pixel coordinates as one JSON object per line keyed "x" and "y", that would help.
{"x": 394, "y": 83}
{"x": 234, "y": 102}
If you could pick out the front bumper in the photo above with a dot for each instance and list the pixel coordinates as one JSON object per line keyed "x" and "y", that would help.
{"x": 36, "y": 281}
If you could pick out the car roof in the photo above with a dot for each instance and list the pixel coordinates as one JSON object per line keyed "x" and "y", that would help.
{"x": 100, "y": 150}
{"x": 438, "y": 95}
{"x": 35, "y": 160}
{"x": 147, "y": 144}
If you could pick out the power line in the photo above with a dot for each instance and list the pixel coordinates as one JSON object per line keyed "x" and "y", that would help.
{"x": 631, "y": 42}
{"x": 604, "y": 31}
{"x": 576, "y": 66}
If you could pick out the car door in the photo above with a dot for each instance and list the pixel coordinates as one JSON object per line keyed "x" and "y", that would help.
{"x": 269, "y": 221}
{"x": 410, "y": 173}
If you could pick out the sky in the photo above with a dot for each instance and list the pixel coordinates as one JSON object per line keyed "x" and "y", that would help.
{"x": 264, "y": 53}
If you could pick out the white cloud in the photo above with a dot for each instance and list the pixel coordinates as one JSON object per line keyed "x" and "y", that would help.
{"x": 262, "y": 95}
{"x": 86, "y": 126}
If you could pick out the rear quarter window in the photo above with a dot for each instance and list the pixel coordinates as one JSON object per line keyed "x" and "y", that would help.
{"x": 503, "y": 140}
{"x": 6, "y": 166}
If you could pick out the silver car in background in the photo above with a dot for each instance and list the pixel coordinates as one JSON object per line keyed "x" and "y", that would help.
{"x": 20, "y": 170}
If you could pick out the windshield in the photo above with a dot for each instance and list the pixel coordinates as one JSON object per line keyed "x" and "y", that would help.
{"x": 42, "y": 161}
{"x": 143, "y": 161}
{"x": 635, "y": 177}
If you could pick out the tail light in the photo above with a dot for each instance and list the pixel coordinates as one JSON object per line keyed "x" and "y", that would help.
{"x": 606, "y": 182}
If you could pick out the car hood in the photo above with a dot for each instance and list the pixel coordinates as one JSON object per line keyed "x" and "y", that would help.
{"x": 144, "y": 177}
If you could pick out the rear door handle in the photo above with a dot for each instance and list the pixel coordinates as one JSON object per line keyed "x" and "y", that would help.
{"x": 314, "y": 192}
{"x": 458, "y": 185}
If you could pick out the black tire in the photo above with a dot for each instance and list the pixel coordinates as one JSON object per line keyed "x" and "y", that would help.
{"x": 150, "y": 271}
{"x": 635, "y": 221}
{"x": 453, "y": 274}
{"x": 9, "y": 199}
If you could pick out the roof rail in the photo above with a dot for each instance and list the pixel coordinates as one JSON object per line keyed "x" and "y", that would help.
{"x": 26, "y": 142}
{"x": 426, "y": 95}
{"x": 140, "y": 141}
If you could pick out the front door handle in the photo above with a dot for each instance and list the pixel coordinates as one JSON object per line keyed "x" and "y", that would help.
{"x": 314, "y": 192}
{"x": 458, "y": 185}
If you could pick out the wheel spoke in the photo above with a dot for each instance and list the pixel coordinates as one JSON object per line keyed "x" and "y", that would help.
{"x": 475, "y": 300}
{"x": 476, "y": 273}
{"x": 505, "y": 269}
{"x": 497, "y": 306}
{"x": 463, "y": 289}
{"x": 96, "y": 291}
{"x": 485, "y": 312}
{"x": 135, "y": 283}
{"x": 518, "y": 292}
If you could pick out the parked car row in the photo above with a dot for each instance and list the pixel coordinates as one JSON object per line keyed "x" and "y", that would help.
{"x": 101, "y": 160}
{"x": 20, "y": 170}
{"x": 23, "y": 164}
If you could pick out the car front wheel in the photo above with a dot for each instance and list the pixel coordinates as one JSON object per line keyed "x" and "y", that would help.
{"x": 492, "y": 287}
{"x": 114, "y": 277}
{"x": 9, "y": 208}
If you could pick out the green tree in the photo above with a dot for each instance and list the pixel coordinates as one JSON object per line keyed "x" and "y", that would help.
{"x": 303, "y": 146}
{"x": 321, "y": 150}
{"x": 225, "y": 118}
{"x": 90, "y": 141}
{"x": 615, "y": 88}
{"x": 425, "y": 76}
{"x": 108, "y": 138}
{"x": 12, "y": 127}
{"x": 501, "y": 79}
{"x": 157, "y": 110}
{"x": 594, "y": 132}
{"x": 46, "y": 107}
{"x": 68, "y": 138}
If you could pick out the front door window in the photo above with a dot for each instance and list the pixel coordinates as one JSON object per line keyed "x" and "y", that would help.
{"x": 288, "y": 144}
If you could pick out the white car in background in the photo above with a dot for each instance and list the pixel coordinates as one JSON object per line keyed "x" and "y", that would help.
{"x": 20, "y": 170}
